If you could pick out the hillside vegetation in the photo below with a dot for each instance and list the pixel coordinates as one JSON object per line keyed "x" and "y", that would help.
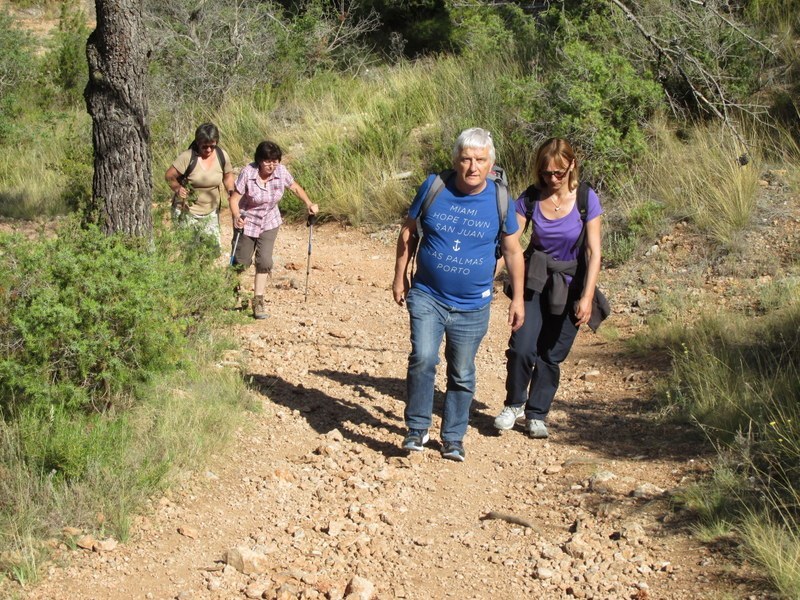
{"x": 678, "y": 109}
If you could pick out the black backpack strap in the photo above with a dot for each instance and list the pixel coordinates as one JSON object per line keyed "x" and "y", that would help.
{"x": 531, "y": 197}
{"x": 220, "y": 158}
{"x": 184, "y": 178}
{"x": 583, "y": 207}
{"x": 502, "y": 199}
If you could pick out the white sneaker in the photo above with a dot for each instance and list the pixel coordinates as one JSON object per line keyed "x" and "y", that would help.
{"x": 536, "y": 429}
{"x": 508, "y": 416}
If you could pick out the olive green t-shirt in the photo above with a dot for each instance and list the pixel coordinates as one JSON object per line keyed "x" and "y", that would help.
{"x": 205, "y": 181}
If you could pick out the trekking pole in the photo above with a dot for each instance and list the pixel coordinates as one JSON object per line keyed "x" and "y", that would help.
{"x": 235, "y": 244}
{"x": 236, "y": 239}
{"x": 310, "y": 224}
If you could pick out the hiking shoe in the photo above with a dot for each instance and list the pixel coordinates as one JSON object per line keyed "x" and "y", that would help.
{"x": 415, "y": 440}
{"x": 259, "y": 308}
{"x": 508, "y": 416}
{"x": 536, "y": 429}
{"x": 453, "y": 451}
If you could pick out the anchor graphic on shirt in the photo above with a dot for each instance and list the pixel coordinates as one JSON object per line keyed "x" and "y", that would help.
{"x": 457, "y": 245}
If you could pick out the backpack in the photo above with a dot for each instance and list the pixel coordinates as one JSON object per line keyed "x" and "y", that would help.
{"x": 182, "y": 179}
{"x": 532, "y": 196}
{"x": 497, "y": 175}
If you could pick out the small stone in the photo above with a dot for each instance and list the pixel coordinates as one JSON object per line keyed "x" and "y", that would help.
{"x": 335, "y": 435}
{"x": 647, "y": 491}
{"x": 255, "y": 590}
{"x": 335, "y": 528}
{"x": 543, "y": 573}
{"x": 553, "y": 469}
{"x": 189, "y": 532}
{"x": 106, "y": 545}
{"x": 360, "y": 588}
{"x": 86, "y": 542}
{"x": 591, "y": 375}
{"x": 246, "y": 561}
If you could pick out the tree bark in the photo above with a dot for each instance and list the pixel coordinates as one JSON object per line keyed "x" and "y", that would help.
{"x": 115, "y": 98}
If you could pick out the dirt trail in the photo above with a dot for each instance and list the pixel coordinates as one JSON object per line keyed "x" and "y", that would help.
{"x": 317, "y": 486}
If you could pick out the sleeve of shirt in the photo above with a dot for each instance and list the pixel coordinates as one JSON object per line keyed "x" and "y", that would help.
{"x": 182, "y": 161}
{"x": 593, "y": 208}
{"x": 416, "y": 204}
{"x": 241, "y": 180}
{"x": 286, "y": 177}
{"x": 520, "y": 206}
{"x": 511, "y": 225}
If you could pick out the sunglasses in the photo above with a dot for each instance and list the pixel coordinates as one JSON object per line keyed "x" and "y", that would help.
{"x": 207, "y": 146}
{"x": 557, "y": 174}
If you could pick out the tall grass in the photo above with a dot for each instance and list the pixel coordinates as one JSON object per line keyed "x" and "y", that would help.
{"x": 698, "y": 177}
{"x": 46, "y": 171}
{"x": 739, "y": 379}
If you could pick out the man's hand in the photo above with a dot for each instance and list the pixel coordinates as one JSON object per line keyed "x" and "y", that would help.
{"x": 516, "y": 314}
{"x": 400, "y": 289}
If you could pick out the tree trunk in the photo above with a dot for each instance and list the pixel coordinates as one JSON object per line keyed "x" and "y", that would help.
{"x": 115, "y": 99}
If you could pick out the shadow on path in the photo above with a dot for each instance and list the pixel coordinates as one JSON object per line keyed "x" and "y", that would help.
{"x": 324, "y": 412}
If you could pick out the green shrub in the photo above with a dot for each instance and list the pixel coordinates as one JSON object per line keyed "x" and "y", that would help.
{"x": 86, "y": 317}
{"x": 16, "y": 68}
{"x": 65, "y": 63}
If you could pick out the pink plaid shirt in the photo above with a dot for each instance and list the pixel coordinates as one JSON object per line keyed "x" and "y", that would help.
{"x": 261, "y": 202}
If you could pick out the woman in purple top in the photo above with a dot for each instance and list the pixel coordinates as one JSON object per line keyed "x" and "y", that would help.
{"x": 256, "y": 217}
{"x": 560, "y": 286}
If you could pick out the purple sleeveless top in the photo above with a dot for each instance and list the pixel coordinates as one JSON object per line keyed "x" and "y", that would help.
{"x": 557, "y": 237}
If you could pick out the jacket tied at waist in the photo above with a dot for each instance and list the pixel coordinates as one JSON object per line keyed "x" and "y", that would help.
{"x": 541, "y": 266}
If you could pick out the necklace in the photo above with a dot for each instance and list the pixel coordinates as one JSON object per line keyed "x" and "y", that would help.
{"x": 558, "y": 206}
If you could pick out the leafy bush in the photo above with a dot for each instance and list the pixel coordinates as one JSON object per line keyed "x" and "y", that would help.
{"x": 86, "y": 317}
{"x": 16, "y": 69}
{"x": 65, "y": 64}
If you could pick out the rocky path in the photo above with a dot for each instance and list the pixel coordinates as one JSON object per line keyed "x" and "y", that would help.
{"x": 315, "y": 500}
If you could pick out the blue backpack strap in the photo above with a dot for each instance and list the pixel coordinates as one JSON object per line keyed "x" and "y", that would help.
{"x": 438, "y": 184}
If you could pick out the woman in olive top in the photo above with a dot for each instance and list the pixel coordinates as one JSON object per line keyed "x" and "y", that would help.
{"x": 196, "y": 198}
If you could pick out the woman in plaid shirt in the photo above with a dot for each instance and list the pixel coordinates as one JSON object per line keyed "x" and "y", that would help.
{"x": 256, "y": 217}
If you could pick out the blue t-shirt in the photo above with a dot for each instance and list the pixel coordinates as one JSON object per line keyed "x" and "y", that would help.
{"x": 456, "y": 257}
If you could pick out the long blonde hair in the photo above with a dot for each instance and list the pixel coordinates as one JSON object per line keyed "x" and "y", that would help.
{"x": 559, "y": 150}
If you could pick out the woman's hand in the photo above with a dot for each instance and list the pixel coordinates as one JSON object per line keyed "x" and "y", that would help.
{"x": 182, "y": 192}
{"x": 583, "y": 309}
{"x": 238, "y": 222}
{"x": 313, "y": 209}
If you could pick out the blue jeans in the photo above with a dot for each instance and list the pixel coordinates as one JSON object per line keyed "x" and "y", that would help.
{"x": 463, "y": 331}
{"x": 534, "y": 354}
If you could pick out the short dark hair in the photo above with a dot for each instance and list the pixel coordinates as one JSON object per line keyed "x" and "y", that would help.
{"x": 267, "y": 150}
{"x": 205, "y": 133}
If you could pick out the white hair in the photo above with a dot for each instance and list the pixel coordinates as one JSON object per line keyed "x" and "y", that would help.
{"x": 474, "y": 137}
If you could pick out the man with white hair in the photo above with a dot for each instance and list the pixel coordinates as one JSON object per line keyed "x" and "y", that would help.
{"x": 450, "y": 295}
